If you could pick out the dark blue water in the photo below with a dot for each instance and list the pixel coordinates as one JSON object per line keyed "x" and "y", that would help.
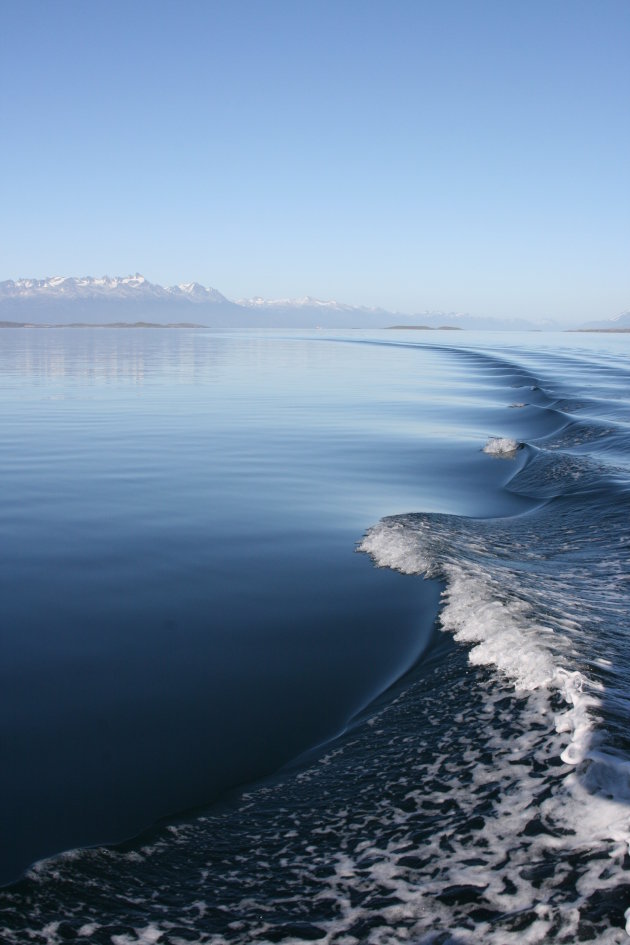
{"x": 184, "y": 611}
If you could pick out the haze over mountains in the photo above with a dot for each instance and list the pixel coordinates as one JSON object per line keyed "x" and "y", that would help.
{"x": 619, "y": 322}
{"x": 87, "y": 300}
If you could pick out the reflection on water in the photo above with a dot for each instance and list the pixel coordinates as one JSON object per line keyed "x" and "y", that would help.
{"x": 105, "y": 355}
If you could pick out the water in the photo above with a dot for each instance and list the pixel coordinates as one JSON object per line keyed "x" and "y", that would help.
{"x": 184, "y": 612}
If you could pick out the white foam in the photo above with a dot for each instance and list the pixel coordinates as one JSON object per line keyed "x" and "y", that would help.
{"x": 501, "y": 446}
{"x": 148, "y": 935}
{"x": 495, "y": 609}
{"x": 487, "y": 608}
{"x": 498, "y": 630}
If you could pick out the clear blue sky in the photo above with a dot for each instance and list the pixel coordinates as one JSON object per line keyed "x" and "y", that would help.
{"x": 470, "y": 156}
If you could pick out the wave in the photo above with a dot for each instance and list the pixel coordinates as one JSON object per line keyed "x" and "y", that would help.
{"x": 542, "y": 598}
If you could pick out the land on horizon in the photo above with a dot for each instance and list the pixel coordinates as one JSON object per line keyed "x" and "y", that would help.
{"x": 134, "y": 300}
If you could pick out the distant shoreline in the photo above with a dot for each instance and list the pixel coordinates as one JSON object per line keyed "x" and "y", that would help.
{"x": 424, "y": 328}
{"x": 196, "y": 326}
{"x": 6, "y": 324}
{"x": 50, "y": 325}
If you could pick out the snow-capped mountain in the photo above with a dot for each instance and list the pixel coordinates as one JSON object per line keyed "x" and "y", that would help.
{"x": 89, "y": 300}
{"x": 59, "y": 300}
{"x": 319, "y": 309}
{"x": 118, "y": 287}
{"x": 308, "y": 302}
{"x": 93, "y": 301}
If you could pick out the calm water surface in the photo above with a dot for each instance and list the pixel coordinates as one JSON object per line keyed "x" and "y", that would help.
{"x": 182, "y": 605}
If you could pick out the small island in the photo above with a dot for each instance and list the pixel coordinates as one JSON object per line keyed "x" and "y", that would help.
{"x": 424, "y": 328}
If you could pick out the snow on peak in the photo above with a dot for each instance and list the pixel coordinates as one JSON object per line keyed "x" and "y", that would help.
{"x": 129, "y": 287}
{"x": 304, "y": 301}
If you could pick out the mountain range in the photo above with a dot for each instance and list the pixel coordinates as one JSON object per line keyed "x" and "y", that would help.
{"x": 92, "y": 301}
{"x": 89, "y": 300}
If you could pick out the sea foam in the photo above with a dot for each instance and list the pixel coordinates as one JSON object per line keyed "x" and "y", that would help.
{"x": 496, "y": 608}
{"x": 501, "y": 446}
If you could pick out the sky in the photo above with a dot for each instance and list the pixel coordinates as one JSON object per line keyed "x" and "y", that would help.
{"x": 452, "y": 155}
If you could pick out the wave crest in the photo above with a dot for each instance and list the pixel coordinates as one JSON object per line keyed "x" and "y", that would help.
{"x": 502, "y": 446}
